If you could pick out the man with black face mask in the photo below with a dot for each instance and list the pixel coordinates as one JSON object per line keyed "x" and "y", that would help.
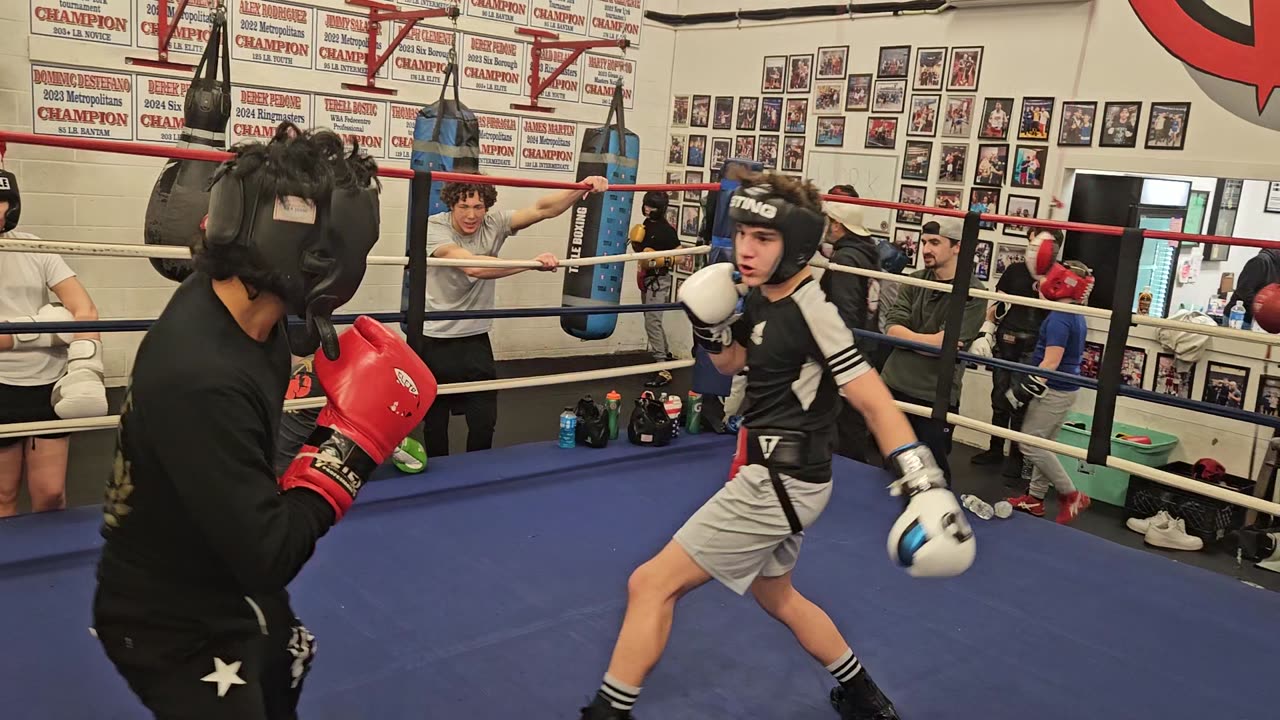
{"x": 654, "y": 276}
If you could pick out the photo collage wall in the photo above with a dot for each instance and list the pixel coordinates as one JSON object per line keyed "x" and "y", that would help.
{"x": 958, "y": 149}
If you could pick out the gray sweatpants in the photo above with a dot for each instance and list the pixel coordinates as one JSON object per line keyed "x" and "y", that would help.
{"x": 657, "y": 289}
{"x": 1043, "y": 420}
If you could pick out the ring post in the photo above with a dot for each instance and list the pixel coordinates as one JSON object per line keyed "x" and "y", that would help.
{"x": 1104, "y": 405}
{"x": 416, "y": 302}
{"x": 955, "y": 316}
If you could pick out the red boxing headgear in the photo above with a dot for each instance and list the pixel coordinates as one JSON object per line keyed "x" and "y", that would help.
{"x": 1070, "y": 281}
{"x": 1041, "y": 254}
{"x": 1266, "y": 308}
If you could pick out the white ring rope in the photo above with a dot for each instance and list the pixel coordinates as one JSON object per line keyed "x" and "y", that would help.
{"x": 108, "y": 422}
{"x": 1099, "y": 313}
{"x": 182, "y": 253}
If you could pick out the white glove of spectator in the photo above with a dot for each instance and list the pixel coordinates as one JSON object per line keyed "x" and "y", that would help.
{"x": 48, "y": 313}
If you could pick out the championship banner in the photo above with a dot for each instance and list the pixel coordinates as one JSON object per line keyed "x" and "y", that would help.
{"x": 83, "y": 103}
{"x": 257, "y": 112}
{"x": 422, "y": 56}
{"x": 429, "y": 4}
{"x": 548, "y": 145}
{"x": 499, "y": 140}
{"x": 356, "y": 120}
{"x": 342, "y": 43}
{"x": 160, "y": 108}
{"x": 191, "y": 35}
{"x": 602, "y": 73}
{"x": 568, "y": 85}
{"x": 617, "y": 19}
{"x": 274, "y": 33}
{"x": 561, "y": 16}
{"x": 100, "y": 21}
{"x": 515, "y": 12}
{"x": 493, "y": 64}
{"x": 400, "y": 129}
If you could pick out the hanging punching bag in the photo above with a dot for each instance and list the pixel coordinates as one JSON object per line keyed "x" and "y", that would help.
{"x": 180, "y": 199}
{"x": 446, "y": 138}
{"x": 599, "y": 224}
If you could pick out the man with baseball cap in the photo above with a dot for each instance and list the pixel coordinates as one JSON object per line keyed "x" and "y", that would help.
{"x": 920, "y": 315}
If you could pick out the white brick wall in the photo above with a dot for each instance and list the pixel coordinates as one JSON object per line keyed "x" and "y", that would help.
{"x": 99, "y": 197}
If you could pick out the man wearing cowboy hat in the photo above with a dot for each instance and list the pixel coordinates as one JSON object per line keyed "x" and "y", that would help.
{"x": 849, "y": 243}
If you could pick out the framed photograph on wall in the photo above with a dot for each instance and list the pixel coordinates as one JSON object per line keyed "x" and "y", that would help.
{"x": 986, "y": 201}
{"x": 744, "y": 146}
{"x": 857, "y": 93}
{"x": 911, "y": 195}
{"x": 690, "y": 224}
{"x": 793, "y": 154}
{"x": 908, "y": 239}
{"x": 1226, "y": 385}
{"x": 796, "y": 117}
{"x": 915, "y": 160}
{"x": 1167, "y": 126}
{"x": 680, "y": 111}
{"x": 799, "y": 73}
{"x": 700, "y": 111}
{"x": 1023, "y": 206}
{"x": 675, "y": 151}
{"x": 890, "y": 96}
{"x": 951, "y": 164}
{"x": 1133, "y": 366}
{"x": 773, "y": 76}
{"x": 1076, "y": 128}
{"x": 770, "y": 114}
{"x": 930, "y": 63}
{"x": 1120, "y": 124}
{"x": 957, "y": 116}
{"x": 1008, "y": 255}
{"x": 1268, "y": 396}
{"x": 966, "y": 67}
{"x": 923, "y": 120}
{"x": 693, "y": 177}
{"x": 894, "y": 62}
{"x": 697, "y": 150}
{"x": 720, "y": 148}
{"x": 830, "y": 132}
{"x": 1091, "y": 361}
{"x": 1168, "y": 380}
{"x": 832, "y": 62}
{"x": 996, "y": 116}
{"x": 827, "y": 97}
{"x": 673, "y": 211}
{"x": 1037, "y": 118}
{"x": 748, "y": 111}
{"x": 882, "y": 132}
{"x": 723, "y": 117}
{"x": 982, "y": 259}
{"x": 1029, "y": 166}
{"x": 674, "y": 178}
{"x": 948, "y": 199}
{"x": 767, "y": 151}
{"x": 993, "y": 161}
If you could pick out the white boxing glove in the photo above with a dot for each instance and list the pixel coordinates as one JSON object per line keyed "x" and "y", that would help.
{"x": 81, "y": 392}
{"x": 984, "y": 345}
{"x": 932, "y": 537}
{"x": 48, "y": 313}
{"x": 712, "y": 299}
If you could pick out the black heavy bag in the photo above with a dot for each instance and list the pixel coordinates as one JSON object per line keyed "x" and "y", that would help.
{"x": 600, "y": 224}
{"x": 650, "y": 424}
{"x": 180, "y": 199}
{"x": 446, "y": 137}
{"x": 593, "y": 424}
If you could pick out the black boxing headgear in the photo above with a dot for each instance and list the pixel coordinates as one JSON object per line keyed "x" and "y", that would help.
{"x": 9, "y": 192}
{"x": 306, "y": 219}
{"x": 801, "y": 229}
{"x": 657, "y": 200}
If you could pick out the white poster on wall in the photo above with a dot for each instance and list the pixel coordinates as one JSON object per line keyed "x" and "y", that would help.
{"x": 422, "y": 56}
{"x": 257, "y": 112}
{"x": 515, "y": 12}
{"x": 617, "y": 19}
{"x": 602, "y": 74}
{"x": 191, "y": 35}
{"x": 561, "y": 16}
{"x": 272, "y": 32}
{"x": 568, "y": 85}
{"x": 400, "y": 126}
{"x": 84, "y": 103}
{"x": 548, "y": 145}
{"x": 493, "y": 64}
{"x": 159, "y": 108}
{"x": 99, "y": 21}
{"x": 356, "y": 120}
{"x": 499, "y": 140}
{"x": 342, "y": 43}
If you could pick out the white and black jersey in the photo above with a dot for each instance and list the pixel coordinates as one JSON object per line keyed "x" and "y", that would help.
{"x": 799, "y": 351}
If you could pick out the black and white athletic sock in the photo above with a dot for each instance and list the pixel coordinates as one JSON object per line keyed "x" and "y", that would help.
{"x": 619, "y": 694}
{"x": 845, "y": 668}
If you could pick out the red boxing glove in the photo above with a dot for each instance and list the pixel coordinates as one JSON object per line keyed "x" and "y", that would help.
{"x": 379, "y": 390}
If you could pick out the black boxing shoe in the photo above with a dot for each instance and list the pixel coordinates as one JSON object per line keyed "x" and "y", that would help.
{"x": 600, "y": 709}
{"x": 861, "y": 699}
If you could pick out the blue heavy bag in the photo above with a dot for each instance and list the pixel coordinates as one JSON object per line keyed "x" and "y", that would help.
{"x": 446, "y": 138}
{"x": 599, "y": 225}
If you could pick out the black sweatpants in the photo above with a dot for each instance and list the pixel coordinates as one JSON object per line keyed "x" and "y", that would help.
{"x": 1015, "y": 348}
{"x": 456, "y": 360}
{"x": 186, "y": 670}
{"x": 936, "y": 435}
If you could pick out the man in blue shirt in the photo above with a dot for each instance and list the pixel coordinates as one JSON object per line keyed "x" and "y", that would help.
{"x": 1046, "y": 402}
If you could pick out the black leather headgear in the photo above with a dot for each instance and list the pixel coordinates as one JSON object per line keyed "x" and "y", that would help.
{"x": 316, "y": 242}
{"x": 802, "y": 229}
{"x": 9, "y": 191}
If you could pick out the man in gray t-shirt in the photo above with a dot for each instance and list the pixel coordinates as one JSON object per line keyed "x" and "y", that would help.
{"x": 459, "y": 350}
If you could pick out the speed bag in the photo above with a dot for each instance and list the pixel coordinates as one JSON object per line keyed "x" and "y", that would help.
{"x": 599, "y": 227}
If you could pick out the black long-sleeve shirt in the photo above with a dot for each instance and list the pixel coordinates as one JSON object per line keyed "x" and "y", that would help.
{"x": 193, "y": 517}
{"x": 1261, "y": 270}
{"x": 856, "y": 297}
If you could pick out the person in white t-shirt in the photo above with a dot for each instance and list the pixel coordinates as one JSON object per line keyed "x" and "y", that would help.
{"x": 43, "y": 376}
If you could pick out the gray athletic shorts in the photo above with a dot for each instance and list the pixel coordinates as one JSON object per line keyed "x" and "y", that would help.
{"x": 741, "y": 532}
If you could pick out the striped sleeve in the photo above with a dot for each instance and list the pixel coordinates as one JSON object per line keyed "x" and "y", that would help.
{"x": 833, "y": 337}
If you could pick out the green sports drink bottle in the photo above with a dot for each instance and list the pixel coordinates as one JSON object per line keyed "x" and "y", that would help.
{"x": 612, "y": 404}
{"x": 693, "y": 413}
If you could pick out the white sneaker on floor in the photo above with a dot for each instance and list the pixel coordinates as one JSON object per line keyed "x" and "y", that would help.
{"x": 1140, "y": 525}
{"x": 1172, "y": 535}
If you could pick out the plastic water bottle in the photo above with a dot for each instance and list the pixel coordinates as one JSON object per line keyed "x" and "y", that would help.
{"x": 568, "y": 428}
{"x": 1237, "y": 316}
{"x": 613, "y": 404}
{"x": 1004, "y": 510}
{"x": 978, "y": 506}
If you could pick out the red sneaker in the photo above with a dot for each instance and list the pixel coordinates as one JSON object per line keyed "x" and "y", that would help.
{"x": 1069, "y": 506}
{"x": 1028, "y": 504}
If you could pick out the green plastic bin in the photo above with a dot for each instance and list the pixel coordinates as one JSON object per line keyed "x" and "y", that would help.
{"x": 1102, "y": 483}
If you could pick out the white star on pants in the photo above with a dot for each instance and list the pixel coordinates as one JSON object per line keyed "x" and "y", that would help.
{"x": 225, "y": 675}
